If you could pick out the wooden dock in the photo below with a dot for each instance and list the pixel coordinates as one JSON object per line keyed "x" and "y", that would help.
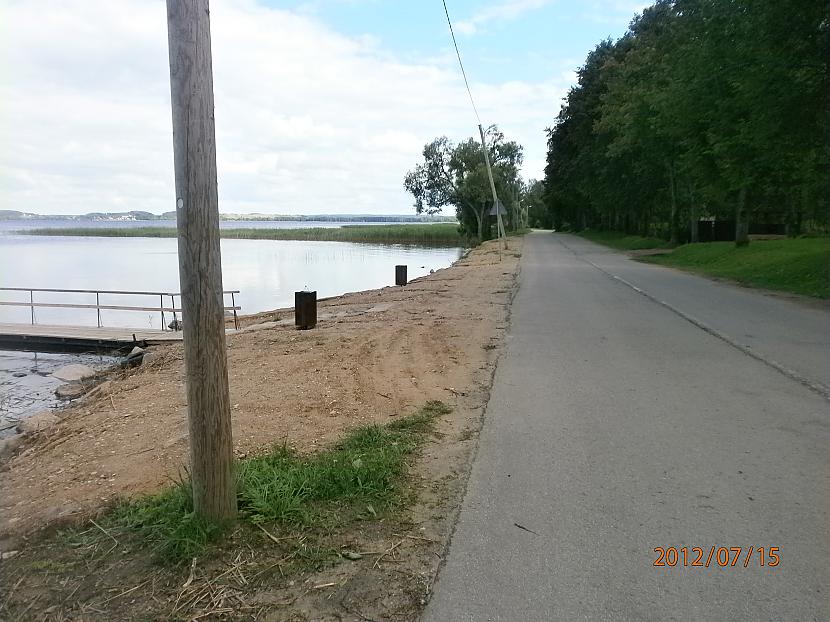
{"x": 45, "y": 338}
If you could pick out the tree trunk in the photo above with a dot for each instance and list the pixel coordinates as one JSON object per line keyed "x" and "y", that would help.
{"x": 674, "y": 221}
{"x": 798, "y": 209}
{"x": 480, "y": 221}
{"x": 694, "y": 221}
{"x": 741, "y": 220}
{"x": 200, "y": 267}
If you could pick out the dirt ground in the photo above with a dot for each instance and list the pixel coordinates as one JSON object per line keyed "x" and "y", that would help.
{"x": 374, "y": 355}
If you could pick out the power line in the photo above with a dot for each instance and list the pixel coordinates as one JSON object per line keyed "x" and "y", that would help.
{"x": 460, "y": 64}
{"x": 496, "y": 202}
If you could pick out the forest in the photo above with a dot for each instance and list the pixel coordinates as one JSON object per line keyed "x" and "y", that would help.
{"x": 707, "y": 118}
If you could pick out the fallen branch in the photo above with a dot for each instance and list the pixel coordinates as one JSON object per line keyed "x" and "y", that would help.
{"x": 275, "y": 539}
{"x": 125, "y": 592}
{"x": 192, "y": 575}
{"x": 416, "y": 538}
{"x": 385, "y": 553}
{"x": 212, "y": 612}
{"x": 113, "y": 547}
{"x": 526, "y": 529}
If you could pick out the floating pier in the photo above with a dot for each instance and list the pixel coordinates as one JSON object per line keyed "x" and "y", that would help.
{"x": 59, "y": 338}
{"x": 44, "y": 338}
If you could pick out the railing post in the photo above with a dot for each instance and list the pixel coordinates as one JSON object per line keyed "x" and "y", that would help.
{"x": 235, "y": 319}
{"x": 161, "y": 308}
{"x": 32, "y": 304}
{"x": 98, "y": 304}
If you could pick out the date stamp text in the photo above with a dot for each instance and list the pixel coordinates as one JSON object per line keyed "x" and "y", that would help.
{"x": 720, "y": 556}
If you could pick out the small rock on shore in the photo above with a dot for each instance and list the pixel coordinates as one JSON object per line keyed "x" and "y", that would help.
{"x": 9, "y": 445}
{"x": 73, "y": 373}
{"x": 38, "y": 421}
{"x": 70, "y": 391}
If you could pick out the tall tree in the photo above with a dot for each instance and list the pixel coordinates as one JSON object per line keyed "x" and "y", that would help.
{"x": 715, "y": 108}
{"x": 456, "y": 176}
{"x": 533, "y": 202}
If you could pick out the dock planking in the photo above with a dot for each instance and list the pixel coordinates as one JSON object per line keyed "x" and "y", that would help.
{"x": 54, "y": 338}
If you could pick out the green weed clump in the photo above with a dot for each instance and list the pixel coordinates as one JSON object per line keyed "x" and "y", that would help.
{"x": 167, "y": 523}
{"x": 364, "y": 470}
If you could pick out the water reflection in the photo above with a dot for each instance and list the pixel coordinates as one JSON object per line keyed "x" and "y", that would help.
{"x": 267, "y": 272}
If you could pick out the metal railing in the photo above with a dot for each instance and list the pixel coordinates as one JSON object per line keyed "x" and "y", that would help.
{"x": 99, "y": 307}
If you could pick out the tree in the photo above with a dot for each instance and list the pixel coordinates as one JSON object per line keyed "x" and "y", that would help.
{"x": 456, "y": 176}
{"x": 704, "y": 108}
{"x": 533, "y": 202}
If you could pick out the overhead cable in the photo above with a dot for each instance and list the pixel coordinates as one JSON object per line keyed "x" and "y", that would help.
{"x": 460, "y": 64}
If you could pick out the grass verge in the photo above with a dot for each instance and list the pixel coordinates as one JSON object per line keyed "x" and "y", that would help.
{"x": 440, "y": 234}
{"x": 360, "y": 475}
{"x": 799, "y": 266}
{"x": 623, "y": 241}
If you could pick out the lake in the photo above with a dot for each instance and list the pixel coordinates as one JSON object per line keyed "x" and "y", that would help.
{"x": 266, "y": 272}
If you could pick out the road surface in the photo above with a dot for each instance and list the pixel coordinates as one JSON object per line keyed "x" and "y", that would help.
{"x": 638, "y": 407}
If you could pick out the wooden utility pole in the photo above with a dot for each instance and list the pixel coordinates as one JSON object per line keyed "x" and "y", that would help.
{"x": 502, "y": 234}
{"x": 200, "y": 268}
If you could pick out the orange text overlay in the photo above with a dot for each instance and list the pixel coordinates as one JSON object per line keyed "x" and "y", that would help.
{"x": 722, "y": 556}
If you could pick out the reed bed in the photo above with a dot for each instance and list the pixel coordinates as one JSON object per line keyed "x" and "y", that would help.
{"x": 440, "y": 234}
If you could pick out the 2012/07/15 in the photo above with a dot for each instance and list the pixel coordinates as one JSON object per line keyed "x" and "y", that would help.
{"x": 725, "y": 557}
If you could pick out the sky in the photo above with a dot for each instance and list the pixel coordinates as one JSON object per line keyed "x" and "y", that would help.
{"x": 322, "y": 106}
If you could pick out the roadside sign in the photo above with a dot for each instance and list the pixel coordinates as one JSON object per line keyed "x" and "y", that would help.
{"x": 498, "y": 208}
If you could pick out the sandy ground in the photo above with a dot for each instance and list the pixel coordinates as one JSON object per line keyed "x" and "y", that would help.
{"x": 374, "y": 355}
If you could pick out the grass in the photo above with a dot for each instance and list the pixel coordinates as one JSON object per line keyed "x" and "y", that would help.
{"x": 623, "y": 241}
{"x": 799, "y": 266}
{"x": 440, "y": 234}
{"x": 359, "y": 476}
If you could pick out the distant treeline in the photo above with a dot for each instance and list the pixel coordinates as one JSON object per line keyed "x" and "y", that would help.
{"x": 703, "y": 109}
{"x": 149, "y": 216}
{"x": 439, "y": 234}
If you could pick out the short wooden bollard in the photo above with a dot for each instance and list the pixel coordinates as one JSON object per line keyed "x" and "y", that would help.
{"x": 305, "y": 310}
{"x": 400, "y": 275}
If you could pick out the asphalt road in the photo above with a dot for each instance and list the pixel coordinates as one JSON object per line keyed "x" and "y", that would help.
{"x": 638, "y": 407}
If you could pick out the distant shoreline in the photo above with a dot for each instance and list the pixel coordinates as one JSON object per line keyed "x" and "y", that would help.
{"x": 6, "y": 215}
{"x": 438, "y": 234}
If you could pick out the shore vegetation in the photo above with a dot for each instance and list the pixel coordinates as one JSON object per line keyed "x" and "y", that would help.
{"x": 360, "y": 477}
{"x": 439, "y": 234}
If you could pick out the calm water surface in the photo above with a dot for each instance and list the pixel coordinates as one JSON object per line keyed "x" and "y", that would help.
{"x": 26, "y": 386}
{"x": 266, "y": 272}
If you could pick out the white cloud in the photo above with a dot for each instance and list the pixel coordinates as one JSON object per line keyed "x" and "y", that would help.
{"x": 308, "y": 120}
{"x": 507, "y": 10}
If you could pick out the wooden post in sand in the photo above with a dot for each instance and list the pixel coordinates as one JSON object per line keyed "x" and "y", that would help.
{"x": 200, "y": 268}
